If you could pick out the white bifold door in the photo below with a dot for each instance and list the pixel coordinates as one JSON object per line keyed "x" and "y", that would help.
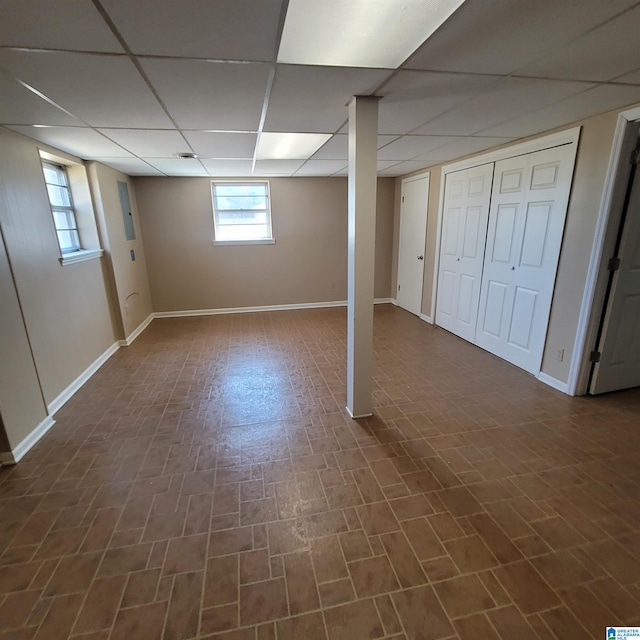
{"x": 464, "y": 229}
{"x": 619, "y": 345}
{"x": 502, "y": 232}
{"x": 526, "y": 224}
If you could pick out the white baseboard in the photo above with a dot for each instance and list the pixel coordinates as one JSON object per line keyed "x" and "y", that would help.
{"x": 426, "y": 318}
{"x": 6, "y": 458}
{"x": 81, "y": 379}
{"x": 554, "y": 382}
{"x": 30, "y": 441}
{"x": 364, "y": 415}
{"x": 270, "y": 307}
{"x": 394, "y": 301}
{"x": 128, "y": 341}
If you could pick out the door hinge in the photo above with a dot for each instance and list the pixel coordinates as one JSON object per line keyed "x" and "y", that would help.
{"x": 402, "y": 198}
{"x": 614, "y": 264}
{"x": 594, "y": 356}
{"x": 398, "y": 287}
{"x": 635, "y": 154}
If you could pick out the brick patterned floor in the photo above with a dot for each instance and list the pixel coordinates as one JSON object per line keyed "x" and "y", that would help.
{"x": 206, "y": 482}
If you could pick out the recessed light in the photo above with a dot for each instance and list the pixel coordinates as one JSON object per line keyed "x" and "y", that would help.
{"x": 359, "y": 33}
{"x": 185, "y": 156}
{"x": 289, "y": 146}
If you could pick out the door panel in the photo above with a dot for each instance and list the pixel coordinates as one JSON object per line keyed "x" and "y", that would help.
{"x": 526, "y": 224}
{"x": 619, "y": 366}
{"x": 413, "y": 232}
{"x": 465, "y": 216}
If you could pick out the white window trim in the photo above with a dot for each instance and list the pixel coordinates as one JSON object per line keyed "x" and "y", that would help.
{"x": 270, "y": 240}
{"x": 82, "y": 255}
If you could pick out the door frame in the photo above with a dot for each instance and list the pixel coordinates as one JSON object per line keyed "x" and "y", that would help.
{"x": 607, "y": 225}
{"x": 421, "y": 176}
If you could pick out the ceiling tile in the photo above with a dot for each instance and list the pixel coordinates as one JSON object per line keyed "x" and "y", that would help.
{"x": 82, "y": 142}
{"x": 583, "y": 105}
{"x": 501, "y": 102}
{"x": 313, "y": 99}
{"x": 224, "y": 29}
{"x": 130, "y": 166}
{"x": 631, "y": 78}
{"x": 104, "y": 91}
{"x": 604, "y": 53}
{"x": 408, "y": 147}
{"x": 284, "y": 167}
{"x": 465, "y": 146}
{"x": 320, "y": 167}
{"x": 222, "y": 145}
{"x": 149, "y": 142}
{"x": 43, "y": 24}
{"x": 21, "y": 106}
{"x": 382, "y": 165}
{"x": 501, "y": 36}
{"x": 403, "y": 168}
{"x": 176, "y": 167}
{"x": 337, "y": 148}
{"x": 224, "y": 168}
{"x": 411, "y": 98}
{"x": 210, "y": 95}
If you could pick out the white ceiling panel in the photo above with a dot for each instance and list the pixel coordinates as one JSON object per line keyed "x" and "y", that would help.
{"x": 222, "y": 145}
{"x": 411, "y": 98}
{"x": 224, "y": 29}
{"x": 501, "y": 36}
{"x": 320, "y": 167}
{"x": 584, "y": 105}
{"x": 148, "y": 142}
{"x": 631, "y": 78}
{"x": 82, "y": 142}
{"x": 21, "y": 106}
{"x": 313, "y": 99}
{"x": 279, "y": 167}
{"x": 225, "y": 168}
{"x": 501, "y": 102}
{"x": 403, "y": 168}
{"x": 382, "y": 166}
{"x": 409, "y": 147}
{"x": 104, "y": 91}
{"x": 130, "y": 166}
{"x": 210, "y": 95}
{"x": 337, "y": 148}
{"x": 176, "y": 167}
{"x": 605, "y": 53}
{"x": 465, "y": 146}
{"x": 43, "y": 24}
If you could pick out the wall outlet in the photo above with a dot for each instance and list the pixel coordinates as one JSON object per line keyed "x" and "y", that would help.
{"x": 560, "y": 355}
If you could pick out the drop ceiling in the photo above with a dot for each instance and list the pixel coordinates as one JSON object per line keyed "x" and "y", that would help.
{"x": 131, "y": 84}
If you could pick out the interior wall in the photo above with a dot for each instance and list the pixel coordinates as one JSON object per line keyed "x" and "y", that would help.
{"x": 130, "y": 278}
{"x": 307, "y": 263}
{"x": 66, "y": 308}
{"x": 591, "y": 165}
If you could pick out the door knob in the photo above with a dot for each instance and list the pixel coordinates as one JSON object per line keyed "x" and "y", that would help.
{"x": 458, "y": 259}
{"x": 420, "y": 257}
{"x": 513, "y": 268}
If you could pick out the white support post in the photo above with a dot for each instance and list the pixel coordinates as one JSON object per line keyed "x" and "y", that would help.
{"x": 363, "y": 153}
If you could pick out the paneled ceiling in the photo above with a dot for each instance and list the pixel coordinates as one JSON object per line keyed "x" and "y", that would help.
{"x": 132, "y": 83}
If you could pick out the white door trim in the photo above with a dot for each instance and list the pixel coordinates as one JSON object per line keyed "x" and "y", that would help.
{"x": 568, "y": 136}
{"x": 588, "y": 321}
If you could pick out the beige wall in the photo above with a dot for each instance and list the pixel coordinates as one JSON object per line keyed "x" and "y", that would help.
{"x": 66, "y": 308}
{"x": 591, "y": 165}
{"x": 307, "y": 264}
{"x": 130, "y": 280}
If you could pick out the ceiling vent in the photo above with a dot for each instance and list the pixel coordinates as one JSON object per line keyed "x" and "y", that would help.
{"x": 185, "y": 156}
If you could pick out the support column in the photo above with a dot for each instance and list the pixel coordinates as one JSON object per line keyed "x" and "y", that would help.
{"x": 363, "y": 156}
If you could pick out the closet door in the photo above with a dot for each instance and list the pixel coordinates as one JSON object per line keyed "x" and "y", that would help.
{"x": 464, "y": 230}
{"x": 526, "y": 224}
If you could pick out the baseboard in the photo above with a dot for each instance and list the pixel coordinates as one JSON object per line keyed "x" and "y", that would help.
{"x": 358, "y": 417}
{"x": 30, "y": 441}
{"x": 270, "y": 307}
{"x": 394, "y": 301}
{"x": 128, "y": 341}
{"x": 554, "y": 382}
{"x": 6, "y": 459}
{"x": 426, "y": 318}
{"x": 58, "y": 402}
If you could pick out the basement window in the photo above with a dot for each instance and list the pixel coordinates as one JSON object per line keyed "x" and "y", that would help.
{"x": 241, "y": 213}
{"x": 64, "y": 215}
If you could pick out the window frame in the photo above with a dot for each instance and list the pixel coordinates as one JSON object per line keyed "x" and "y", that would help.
{"x": 236, "y": 183}
{"x": 69, "y": 211}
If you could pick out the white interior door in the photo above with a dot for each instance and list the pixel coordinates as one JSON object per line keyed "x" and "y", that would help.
{"x": 464, "y": 230}
{"x": 413, "y": 232}
{"x": 526, "y": 225}
{"x": 619, "y": 345}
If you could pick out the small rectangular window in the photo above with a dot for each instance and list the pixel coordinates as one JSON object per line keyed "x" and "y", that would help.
{"x": 64, "y": 215}
{"x": 241, "y": 211}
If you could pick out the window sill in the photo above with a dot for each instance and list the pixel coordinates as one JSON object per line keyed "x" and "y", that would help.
{"x": 80, "y": 256}
{"x": 240, "y": 242}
